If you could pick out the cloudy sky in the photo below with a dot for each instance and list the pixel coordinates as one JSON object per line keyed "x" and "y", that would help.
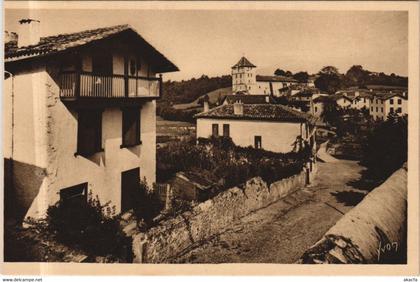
{"x": 211, "y": 41}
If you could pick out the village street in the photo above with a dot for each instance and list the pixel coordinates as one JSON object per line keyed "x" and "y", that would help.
{"x": 281, "y": 232}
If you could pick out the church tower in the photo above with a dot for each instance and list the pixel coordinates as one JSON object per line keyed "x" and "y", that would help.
{"x": 244, "y": 77}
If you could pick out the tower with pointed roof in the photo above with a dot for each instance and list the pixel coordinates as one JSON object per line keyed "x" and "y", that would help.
{"x": 243, "y": 77}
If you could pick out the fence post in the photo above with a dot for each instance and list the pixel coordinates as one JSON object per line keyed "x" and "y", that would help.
{"x": 168, "y": 199}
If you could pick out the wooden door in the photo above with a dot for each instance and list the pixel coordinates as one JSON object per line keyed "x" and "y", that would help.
{"x": 130, "y": 180}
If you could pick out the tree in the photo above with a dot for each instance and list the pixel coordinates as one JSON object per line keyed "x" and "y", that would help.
{"x": 329, "y": 80}
{"x": 386, "y": 148}
{"x": 357, "y": 76}
{"x": 301, "y": 76}
{"x": 289, "y": 73}
{"x": 328, "y": 83}
{"x": 280, "y": 72}
{"x": 331, "y": 112}
{"x": 329, "y": 70}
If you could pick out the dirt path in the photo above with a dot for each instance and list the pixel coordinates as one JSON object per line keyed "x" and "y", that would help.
{"x": 281, "y": 232}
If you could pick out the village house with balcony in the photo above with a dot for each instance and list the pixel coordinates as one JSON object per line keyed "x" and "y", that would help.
{"x": 79, "y": 116}
{"x": 272, "y": 127}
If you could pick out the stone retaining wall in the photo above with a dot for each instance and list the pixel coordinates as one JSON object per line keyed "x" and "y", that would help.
{"x": 375, "y": 231}
{"x": 174, "y": 236}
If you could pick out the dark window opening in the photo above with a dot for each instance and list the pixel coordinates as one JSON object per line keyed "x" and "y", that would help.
{"x": 130, "y": 127}
{"x": 89, "y": 132}
{"x": 226, "y": 130}
{"x": 132, "y": 67}
{"x": 75, "y": 194}
{"x": 215, "y": 129}
{"x": 391, "y": 110}
{"x": 399, "y": 101}
{"x": 138, "y": 65}
{"x": 257, "y": 142}
{"x": 391, "y": 101}
{"x": 130, "y": 180}
{"x": 399, "y": 110}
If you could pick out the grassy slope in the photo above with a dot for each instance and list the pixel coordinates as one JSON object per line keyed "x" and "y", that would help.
{"x": 213, "y": 96}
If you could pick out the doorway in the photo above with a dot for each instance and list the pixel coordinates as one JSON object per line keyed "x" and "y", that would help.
{"x": 130, "y": 180}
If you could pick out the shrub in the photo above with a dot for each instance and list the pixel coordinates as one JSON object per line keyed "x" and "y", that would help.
{"x": 89, "y": 226}
{"x": 233, "y": 165}
{"x": 147, "y": 204}
{"x": 386, "y": 148}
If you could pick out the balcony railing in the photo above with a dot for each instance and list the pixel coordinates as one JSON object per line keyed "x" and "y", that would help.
{"x": 75, "y": 85}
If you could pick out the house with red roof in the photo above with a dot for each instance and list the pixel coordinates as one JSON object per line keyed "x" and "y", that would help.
{"x": 79, "y": 116}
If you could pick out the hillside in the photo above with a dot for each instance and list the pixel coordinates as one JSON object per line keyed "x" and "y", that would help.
{"x": 213, "y": 98}
{"x": 187, "y": 91}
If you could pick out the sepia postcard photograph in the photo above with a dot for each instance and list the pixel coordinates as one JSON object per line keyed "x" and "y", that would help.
{"x": 210, "y": 137}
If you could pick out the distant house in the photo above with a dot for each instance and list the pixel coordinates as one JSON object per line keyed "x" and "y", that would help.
{"x": 318, "y": 105}
{"x": 270, "y": 127}
{"x": 362, "y": 101}
{"x": 360, "y": 97}
{"x": 342, "y": 101}
{"x": 384, "y": 103}
{"x": 245, "y": 79}
{"x": 79, "y": 116}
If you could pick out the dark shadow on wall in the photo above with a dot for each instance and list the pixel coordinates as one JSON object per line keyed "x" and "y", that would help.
{"x": 22, "y": 182}
{"x": 135, "y": 150}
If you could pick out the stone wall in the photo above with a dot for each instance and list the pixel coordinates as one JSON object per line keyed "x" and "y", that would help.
{"x": 176, "y": 235}
{"x": 375, "y": 231}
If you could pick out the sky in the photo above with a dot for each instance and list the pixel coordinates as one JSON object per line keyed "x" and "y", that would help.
{"x": 211, "y": 41}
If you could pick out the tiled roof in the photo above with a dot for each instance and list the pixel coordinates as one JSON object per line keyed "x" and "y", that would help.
{"x": 322, "y": 99}
{"x": 248, "y": 99}
{"x": 365, "y": 94}
{"x": 271, "y": 112}
{"x": 244, "y": 62}
{"x": 275, "y": 78}
{"x": 386, "y": 96}
{"x": 339, "y": 96}
{"x": 58, "y": 43}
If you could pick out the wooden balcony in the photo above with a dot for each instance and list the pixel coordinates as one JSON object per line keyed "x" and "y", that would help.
{"x": 86, "y": 86}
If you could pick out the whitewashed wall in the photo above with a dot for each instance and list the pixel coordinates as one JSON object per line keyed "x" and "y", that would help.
{"x": 45, "y": 140}
{"x": 276, "y": 136}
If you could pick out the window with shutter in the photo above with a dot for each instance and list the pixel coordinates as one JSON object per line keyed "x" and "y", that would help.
{"x": 130, "y": 127}
{"x": 257, "y": 142}
{"x": 75, "y": 194}
{"x": 215, "y": 129}
{"x": 89, "y": 132}
{"x": 226, "y": 130}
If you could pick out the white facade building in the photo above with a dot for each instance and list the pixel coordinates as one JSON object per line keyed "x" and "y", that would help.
{"x": 271, "y": 127}
{"x": 79, "y": 117}
{"x": 245, "y": 80}
{"x": 384, "y": 103}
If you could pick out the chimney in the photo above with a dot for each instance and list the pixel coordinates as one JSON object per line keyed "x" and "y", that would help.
{"x": 28, "y": 32}
{"x": 206, "y": 106}
{"x": 238, "y": 108}
{"x": 10, "y": 37}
